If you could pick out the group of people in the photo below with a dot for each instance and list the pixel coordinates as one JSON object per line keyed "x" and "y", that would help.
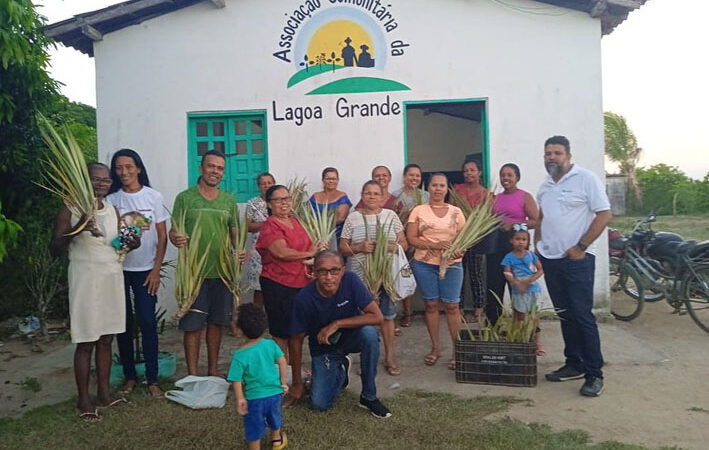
{"x": 304, "y": 288}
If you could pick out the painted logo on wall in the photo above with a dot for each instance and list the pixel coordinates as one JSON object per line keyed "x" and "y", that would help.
{"x": 318, "y": 42}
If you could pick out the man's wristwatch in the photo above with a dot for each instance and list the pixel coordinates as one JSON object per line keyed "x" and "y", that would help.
{"x": 582, "y": 246}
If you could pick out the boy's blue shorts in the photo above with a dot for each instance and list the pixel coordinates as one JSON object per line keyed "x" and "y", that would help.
{"x": 262, "y": 412}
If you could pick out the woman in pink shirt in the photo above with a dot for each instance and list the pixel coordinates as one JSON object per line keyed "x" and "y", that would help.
{"x": 513, "y": 205}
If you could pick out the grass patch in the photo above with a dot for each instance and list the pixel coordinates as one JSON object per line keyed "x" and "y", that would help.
{"x": 690, "y": 227}
{"x": 30, "y": 384}
{"x": 421, "y": 420}
{"x": 698, "y": 409}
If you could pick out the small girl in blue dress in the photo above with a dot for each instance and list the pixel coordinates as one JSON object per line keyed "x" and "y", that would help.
{"x": 522, "y": 269}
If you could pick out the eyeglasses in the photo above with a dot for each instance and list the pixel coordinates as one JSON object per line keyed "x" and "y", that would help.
{"x": 323, "y": 272}
{"x": 520, "y": 227}
{"x": 281, "y": 200}
{"x": 101, "y": 180}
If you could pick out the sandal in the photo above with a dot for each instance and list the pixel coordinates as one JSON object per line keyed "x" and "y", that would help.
{"x": 281, "y": 443}
{"x": 289, "y": 400}
{"x": 405, "y": 321}
{"x": 90, "y": 416}
{"x": 397, "y": 331}
{"x": 393, "y": 370}
{"x": 155, "y": 391}
{"x": 451, "y": 365}
{"x": 431, "y": 359}
{"x": 540, "y": 351}
{"x": 120, "y": 401}
{"x": 128, "y": 387}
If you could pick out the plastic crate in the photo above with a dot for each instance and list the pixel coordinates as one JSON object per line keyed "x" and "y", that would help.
{"x": 499, "y": 363}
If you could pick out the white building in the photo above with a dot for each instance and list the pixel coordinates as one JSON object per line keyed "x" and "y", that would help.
{"x": 384, "y": 82}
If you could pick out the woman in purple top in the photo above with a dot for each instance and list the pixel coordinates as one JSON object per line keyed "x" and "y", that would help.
{"x": 513, "y": 205}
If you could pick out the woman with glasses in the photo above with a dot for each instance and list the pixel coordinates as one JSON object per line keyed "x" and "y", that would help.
{"x": 97, "y": 306}
{"x": 406, "y": 200}
{"x": 431, "y": 229}
{"x": 285, "y": 248}
{"x": 131, "y": 192}
{"x": 382, "y": 175}
{"x": 358, "y": 240}
{"x": 256, "y": 215}
{"x": 335, "y": 200}
{"x": 514, "y": 206}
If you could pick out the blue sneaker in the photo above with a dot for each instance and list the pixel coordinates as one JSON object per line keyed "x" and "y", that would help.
{"x": 593, "y": 387}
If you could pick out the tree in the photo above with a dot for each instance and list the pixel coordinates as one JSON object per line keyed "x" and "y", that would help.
{"x": 659, "y": 184}
{"x": 25, "y": 90}
{"x": 622, "y": 148}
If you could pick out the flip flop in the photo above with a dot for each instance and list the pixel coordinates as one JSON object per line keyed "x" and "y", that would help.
{"x": 405, "y": 321}
{"x": 397, "y": 331}
{"x": 290, "y": 401}
{"x": 127, "y": 389}
{"x": 431, "y": 359}
{"x": 541, "y": 352}
{"x": 153, "y": 394}
{"x": 393, "y": 370}
{"x": 90, "y": 417}
{"x": 120, "y": 401}
{"x": 451, "y": 365}
{"x": 279, "y": 444}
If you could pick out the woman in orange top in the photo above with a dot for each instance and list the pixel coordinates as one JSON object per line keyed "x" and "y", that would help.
{"x": 431, "y": 228}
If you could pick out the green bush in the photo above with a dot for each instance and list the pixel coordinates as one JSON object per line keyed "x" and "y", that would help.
{"x": 667, "y": 190}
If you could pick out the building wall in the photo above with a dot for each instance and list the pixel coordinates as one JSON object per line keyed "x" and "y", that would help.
{"x": 540, "y": 75}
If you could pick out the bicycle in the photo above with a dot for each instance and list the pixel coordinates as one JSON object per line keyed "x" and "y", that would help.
{"x": 673, "y": 269}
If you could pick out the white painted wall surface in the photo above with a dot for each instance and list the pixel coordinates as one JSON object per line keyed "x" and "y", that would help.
{"x": 541, "y": 75}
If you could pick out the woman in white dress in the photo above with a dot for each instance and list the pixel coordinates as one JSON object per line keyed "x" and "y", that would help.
{"x": 96, "y": 304}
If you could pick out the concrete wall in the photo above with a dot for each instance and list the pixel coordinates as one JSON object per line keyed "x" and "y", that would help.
{"x": 540, "y": 75}
{"x": 439, "y": 142}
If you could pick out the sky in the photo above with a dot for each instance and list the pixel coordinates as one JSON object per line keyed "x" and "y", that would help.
{"x": 655, "y": 74}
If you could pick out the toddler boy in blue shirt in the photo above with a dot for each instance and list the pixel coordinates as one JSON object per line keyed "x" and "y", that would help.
{"x": 258, "y": 385}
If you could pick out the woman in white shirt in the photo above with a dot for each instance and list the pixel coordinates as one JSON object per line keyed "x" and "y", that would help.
{"x": 131, "y": 192}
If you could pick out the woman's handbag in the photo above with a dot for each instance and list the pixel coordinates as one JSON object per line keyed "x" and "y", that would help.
{"x": 402, "y": 275}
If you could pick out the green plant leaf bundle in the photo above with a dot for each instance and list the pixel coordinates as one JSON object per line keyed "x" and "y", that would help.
{"x": 479, "y": 224}
{"x": 65, "y": 173}
{"x": 230, "y": 267}
{"x": 377, "y": 265}
{"x": 191, "y": 265}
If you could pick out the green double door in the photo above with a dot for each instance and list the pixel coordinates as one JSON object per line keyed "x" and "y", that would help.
{"x": 242, "y": 139}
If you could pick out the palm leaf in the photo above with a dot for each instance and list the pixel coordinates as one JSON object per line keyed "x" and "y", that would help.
{"x": 479, "y": 224}
{"x": 64, "y": 172}
{"x": 230, "y": 267}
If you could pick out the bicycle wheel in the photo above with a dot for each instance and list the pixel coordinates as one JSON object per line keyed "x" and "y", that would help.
{"x": 696, "y": 295}
{"x": 624, "y": 307}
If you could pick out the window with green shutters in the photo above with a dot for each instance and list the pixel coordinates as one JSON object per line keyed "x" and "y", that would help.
{"x": 241, "y": 137}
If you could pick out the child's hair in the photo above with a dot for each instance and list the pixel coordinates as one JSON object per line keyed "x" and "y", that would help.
{"x": 252, "y": 320}
{"x": 520, "y": 228}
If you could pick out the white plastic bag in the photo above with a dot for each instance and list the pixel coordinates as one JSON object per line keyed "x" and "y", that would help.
{"x": 402, "y": 275}
{"x": 200, "y": 392}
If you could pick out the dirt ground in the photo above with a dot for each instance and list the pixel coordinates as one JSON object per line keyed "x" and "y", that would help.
{"x": 656, "y": 372}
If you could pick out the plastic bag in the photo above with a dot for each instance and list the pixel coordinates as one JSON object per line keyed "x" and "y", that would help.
{"x": 403, "y": 276}
{"x": 200, "y": 392}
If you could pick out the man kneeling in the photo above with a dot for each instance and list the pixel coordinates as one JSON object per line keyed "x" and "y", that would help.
{"x": 337, "y": 313}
